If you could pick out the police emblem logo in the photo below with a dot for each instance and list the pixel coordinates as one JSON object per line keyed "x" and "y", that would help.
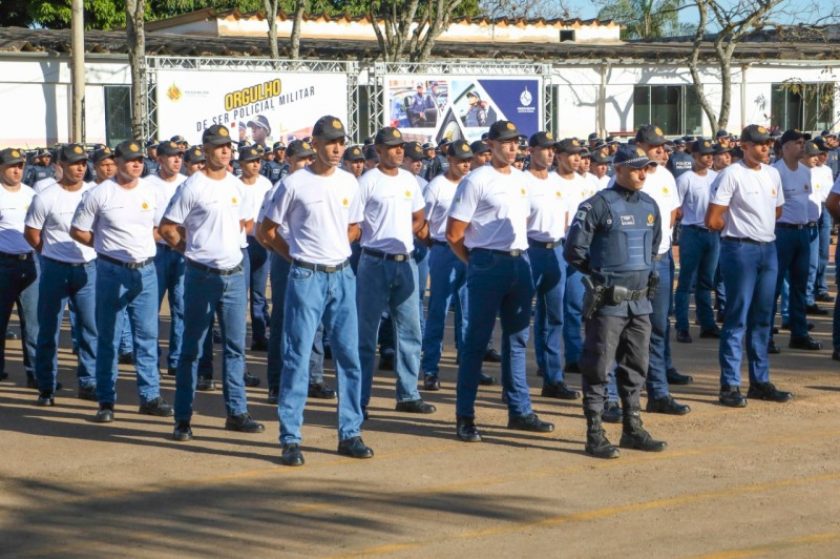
{"x": 223, "y": 132}
{"x": 305, "y": 145}
{"x": 78, "y": 149}
{"x": 395, "y": 133}
{"x": 575, "y": 143}
{"x": 761, "y": 130}
{"x": 15, "y": 153}
{"x": 336, "y": 124}
{"x": 522, "y": 191}
{"x": 658, "y": 131}
{"x": 408, "y": 194}
{"x": 706, "y": 144}
{"x": 510, "y": 126}
{"x": 345, "y": 202}
{"x": 106, "y": 150}
{"x": 548, "y": 136}
{"x": 650, "y": 219}
{"x": 357, "y": 151}
{"x": 252, "y": 152}
{"x": 640, "y": 152}
{"x": 145, "y": 205}
{"x": 665, "y": 190}
{"x": 133, "y": 147}
{"x": 234, "y": 200}
{"x": 558, "y": 194}
{"x": 196, "y": 151}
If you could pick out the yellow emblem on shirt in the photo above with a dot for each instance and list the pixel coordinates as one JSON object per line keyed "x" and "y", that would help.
{"x": 523, "y": 191}
{"x": 234, "y": 200}
{"x": 145, "y": 205}
{"x": 650, "y": 219}
{"x": 665, "y": 190}
{"x": 345, "y": 202}
{"x": 559, "y": 194}
{"x": 408, "y": 194}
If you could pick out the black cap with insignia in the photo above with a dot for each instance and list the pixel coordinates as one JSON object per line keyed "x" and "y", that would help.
{"x": 194, "y": 155}
{"x": 11, "y": 156}
{"x": 542, "y": 140}
{"x": 756, "y": 134}
{"x": 502, "y": 130}
{"x": 128, "y": 150}
{"x": 702, "y": 147}
{"x": 632, "y": 156}
{"x": 460, "y": 149}
{"x": 651, "y": 134}
{"x": 414, "y": 151}
{"x": 102, "y": 154}
{"x": 72, "y": 153}
{"x": 278, "y": 146}
{"x": 569, "y": 145}
{"x": 479, "y": 146}
{"x": 328, "y": 128}
{"x": 170, "y": 148}
{"x": 299, "y": 148}
{"x": 353, "y": 153}
{"x": 216, "y": 135}
{"x": 250, "y": 153}
{"x": 388, "y": 136}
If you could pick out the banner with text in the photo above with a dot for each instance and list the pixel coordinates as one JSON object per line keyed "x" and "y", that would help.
{"x": 431, "y": 108}
{"x": 260, "y": 107}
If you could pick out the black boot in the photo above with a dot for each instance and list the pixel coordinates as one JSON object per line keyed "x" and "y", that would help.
{"x": 597, "y": 444}
{"x": 634, "y": 435}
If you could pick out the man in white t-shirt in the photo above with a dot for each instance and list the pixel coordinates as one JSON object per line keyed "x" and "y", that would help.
{"x": 794, "y": 231}
{"x": 18, "y": 267}
{"x": 318, "y": 209}
{"x": 169, "y": 263}
{"x": 699, "y": 247}
{"x": 821, "y": 180}
{"x": 117, "y": 218}
{"x": 205, "y": 221}
{"x": 68, "y": 272}
{"x": 661, "y": 186}
{"x": 599, "y": 169}
{"x": 746, "y": 203}
{"x": 393, "y": 215}
{"x": 546, "y": 231}
{"x": 487, "y": 229}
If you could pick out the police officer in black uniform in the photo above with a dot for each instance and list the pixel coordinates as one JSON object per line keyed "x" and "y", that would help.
{"x": 613, "y": 240}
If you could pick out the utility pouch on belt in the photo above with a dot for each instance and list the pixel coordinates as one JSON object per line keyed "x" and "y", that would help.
{"x": 653, "y": 285}
{"x": 618, "y": 294}
{"x": 593, "y": 298}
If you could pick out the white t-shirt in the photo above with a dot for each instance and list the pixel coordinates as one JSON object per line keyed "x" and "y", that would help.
{"x": 257, "y": 193}
{"x": 575, "y": 191}
{"x": 314, "y": 212}
{"x": 595, "y": 184}
{"x": 752, "y": 197}
{"x": 695, "y": 191}
{"x": 52, "y": 211}
{"x": 13, "y": 208}
{"x": 388, "y": 204}
{"x": 211, "y": 212}
{"x": 122, "y": 219}
{"x": 821, "y": 179}
{"x": 43, "y": 184}
{"x": 661, "y": 186}
{"x": 496, "y": 206}
{"x": 439, "y": 195}
{"x": 797, "y": 191}
{"x": 547, "y": 222}
{"x": 167, "y": 190}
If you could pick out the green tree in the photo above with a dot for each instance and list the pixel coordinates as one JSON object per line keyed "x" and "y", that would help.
{"x": 644, "y": 19}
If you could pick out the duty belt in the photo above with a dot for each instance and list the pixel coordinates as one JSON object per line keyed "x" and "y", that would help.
{"x": 809, "y": 225}
{"x": 514, "y": 252}
{"x": 217, "y": 271}
{"x": 386, "y": 256}
{"x": 22, "y": 256}
{"x": 321, "y": 267}
{"x": 129, "y": 265}
{"x": 544, "y": 244}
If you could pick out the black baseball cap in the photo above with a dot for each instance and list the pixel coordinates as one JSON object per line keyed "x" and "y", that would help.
{"x": 756, "y": 134}
{"x": 328, "y": 128}
{"x": 129, "y": 150}
{"x": 299, "y": 148}
{"x": 11, "y": 156}
{"x": 632, "y": 156}
{"x": 250, "y": 153}
{"x": 569, "y": 145}
{"x": 679, "y": 142}
{"x": 72, "y": 153}
{"x": 717, "y": 149}
{"x": 820, "y": 142}
{"x": 503, "y": 130}
{"x": 414, "y": 151}
{"x": 170, "y": 148}
{"x": 597, "y": 157}
{"x": 812, "y": 148}
{"x": 542, "y": 140}
{"x": 593, "y": 137}
{"x": 721, "y": 134}
{"x": 651, "y": 134}
{"x": 353, "y": 153}
{"x": 702, "y": 147}
{"x": 828, "y": 134}
{"x": 278, "y": 145}
{"x": 792, "y": 135}
{"x": 194, "y": 155}
{"x": 216, "y": 135}
{"x": 388, "y": 136}
{"x": 102, "y": 154}
{"x": 460, "y": 149}
{"x": 478, "y": 147}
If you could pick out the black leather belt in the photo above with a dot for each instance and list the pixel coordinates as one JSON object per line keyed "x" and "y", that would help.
{"x": 63, "y": 263}
{"x": 22, "y": 256}
{"x": 321, "y": 267}
{"x": 809, "y": 225}
{"x": 129, "y": 265}
{"x": 698, "y": 227}
{"x": 744, "y": 240}
{"x": 386, "y": 256}
{"x": 217, "y": 271}
{"x": 544, "y": 244}
{"x": 514, "y": 253}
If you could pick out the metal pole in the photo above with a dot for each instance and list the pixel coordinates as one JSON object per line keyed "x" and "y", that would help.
{"x": 78, "y": 64}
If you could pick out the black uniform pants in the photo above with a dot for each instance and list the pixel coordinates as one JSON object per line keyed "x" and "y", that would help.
{"x": 620, "y": 342}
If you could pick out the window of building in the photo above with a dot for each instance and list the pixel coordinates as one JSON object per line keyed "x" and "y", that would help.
{"x": 567, "y": 35}
{"x": 117, "y": 114}
{"x": 806, "y": 106}
{"x": 673, "y": 108}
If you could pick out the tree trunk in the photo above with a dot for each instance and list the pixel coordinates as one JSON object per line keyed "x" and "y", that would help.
{"x": 134, "y": 12}
{"x": 271, "y": 18}
{"x": 693, "y": 65}
{"x": 300, "y": 9}
{"x": 725, "y": 60}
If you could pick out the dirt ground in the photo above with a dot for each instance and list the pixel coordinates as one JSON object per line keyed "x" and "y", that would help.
{"x": 757, "y": 482}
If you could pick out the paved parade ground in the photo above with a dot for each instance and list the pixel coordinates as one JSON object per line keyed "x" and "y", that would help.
{"x": 757, "y": 482}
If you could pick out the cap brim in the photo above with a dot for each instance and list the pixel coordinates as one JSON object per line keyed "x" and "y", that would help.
{"x": 392, "y": 142}
{"x": 218, "y": 141}
{"x": 330, "y": 135}
{"x": 507, "y": 135}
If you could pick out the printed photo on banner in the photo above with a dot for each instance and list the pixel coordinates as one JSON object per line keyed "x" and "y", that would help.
{"x": 430, "y": 109}
{"x": 258, "y": 107}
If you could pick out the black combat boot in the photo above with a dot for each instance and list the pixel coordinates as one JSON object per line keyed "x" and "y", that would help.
{"x": 597, "y": 444}
{"x": 634, "y": 435}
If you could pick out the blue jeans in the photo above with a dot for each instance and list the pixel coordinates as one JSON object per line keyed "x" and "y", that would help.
{"x": 496, "y": 283}
{"x": 825, "y": 224}
{"x": 421, "y": 257}
{"x": 793, "y": 247}
{"x": 660, "y": 329}
{"x": 750, "y": 275}
{"x": 279, "y": 279}
{"x": 392, "y": 286}
{"x": 813, "y": 264}
{"x": 447, "y": 278}
{"x": 572, "y": 315}
{"x": 258, "y": 257}
{"x": 122, "y": 292}
{"x": 699, "y": 251}
{"x": 18, "y": 287}
{"x": 207, "y": 293}
{"x": 549, "y": 273}
{"x": 314, "y": 298}
{"x": 59, "y": 283}
{"x": 169, "y": 265}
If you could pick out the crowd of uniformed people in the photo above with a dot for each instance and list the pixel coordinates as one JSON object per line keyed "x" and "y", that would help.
{"x": 370, "y": 249}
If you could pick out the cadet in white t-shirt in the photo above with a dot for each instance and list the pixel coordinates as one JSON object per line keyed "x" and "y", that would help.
{"x": 68, "y": 272}
{"x": 117, "y": 218}
{"x": 18, "y": 268}
{"x": 393, "y": 214}
{"x": 747, "y": 200}
{"x": 546, "y": 230}
{"x": 212, "y": 208}
{"x": 487, "y": 229}
{"x": 821, "y": 180}
{"x": 661, "y": 186}
{"x": 318, "y": 209}
{"x": 699, "y": 247}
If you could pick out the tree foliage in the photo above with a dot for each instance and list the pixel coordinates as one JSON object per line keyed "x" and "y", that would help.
{"x": 644, "y": 19}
